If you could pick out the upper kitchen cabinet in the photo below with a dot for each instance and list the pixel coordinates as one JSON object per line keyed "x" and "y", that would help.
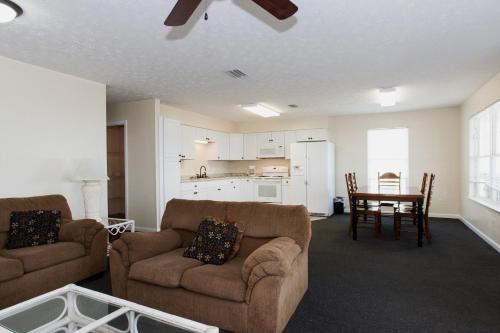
{"x": 290, "y": 137}
{"x": 171, "y": 132}
{"x": 250, "y": 146}
{"x": 271, "y": 145}
{"x": 319, "y": 134}
{"x": 236, "y": 147}
{"x": 219, "y": 145}
{"x": 188, "y": 137}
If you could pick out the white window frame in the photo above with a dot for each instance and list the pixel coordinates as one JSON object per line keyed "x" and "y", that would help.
{"x": 374, "y": 181}
{"x": 474, "y": 157}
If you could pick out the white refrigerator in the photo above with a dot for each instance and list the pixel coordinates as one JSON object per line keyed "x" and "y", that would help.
{"x": 313, "y": 176}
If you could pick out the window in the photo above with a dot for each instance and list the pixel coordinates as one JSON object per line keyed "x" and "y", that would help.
{"x": 388, "y": 152}
{"x": 484, "y": 153}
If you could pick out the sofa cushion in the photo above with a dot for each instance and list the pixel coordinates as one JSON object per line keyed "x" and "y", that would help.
{"x": 163, "y": 270}
{"x": 39, "y": 257}
{"x": 214, "y": 241}
{"x": 10, "y": 269}
{"x": 33, "y": 228}
{"x": 222, "y": 281}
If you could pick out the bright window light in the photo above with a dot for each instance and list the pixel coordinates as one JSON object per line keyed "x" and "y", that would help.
{"x": 9, "y": 11}
{"x": 388, "y": 97}
{"x": 261, "y": 110}
{"x": 484, "y": 157}
{"x": 387, "y": 152}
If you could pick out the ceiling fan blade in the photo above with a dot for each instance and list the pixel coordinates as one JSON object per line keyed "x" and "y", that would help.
{"x": 281, "y": 9}
{"x": 181, "y": 13}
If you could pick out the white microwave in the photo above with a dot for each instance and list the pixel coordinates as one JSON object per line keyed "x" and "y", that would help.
{"x": 271, "y": 150}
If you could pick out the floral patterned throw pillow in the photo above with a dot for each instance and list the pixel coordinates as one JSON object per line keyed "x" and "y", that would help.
{"x": 32, "y": 228}
{"x": 213, "y": 242}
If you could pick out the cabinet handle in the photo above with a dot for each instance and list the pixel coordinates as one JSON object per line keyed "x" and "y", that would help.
{"x": 195, "y": 193}
{"x": 218, "y": 189}
{"x": 196, "y": 186}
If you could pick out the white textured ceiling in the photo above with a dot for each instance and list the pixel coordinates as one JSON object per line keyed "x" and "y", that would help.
{"x": 328, "y": 58}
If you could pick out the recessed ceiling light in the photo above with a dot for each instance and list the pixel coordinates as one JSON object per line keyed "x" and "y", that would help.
{"x": 261, "y": 110}
{"x": 388, "y": 96}
{"x": 9, "y": 11}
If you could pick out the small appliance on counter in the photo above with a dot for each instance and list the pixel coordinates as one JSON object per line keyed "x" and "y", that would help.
{"x": 251, "y": 170}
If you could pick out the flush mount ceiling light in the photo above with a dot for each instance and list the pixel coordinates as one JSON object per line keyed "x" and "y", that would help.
{"x": 387, "y": 96}
{"x": 9, "y": 11}
{"x": 261, "y": 110}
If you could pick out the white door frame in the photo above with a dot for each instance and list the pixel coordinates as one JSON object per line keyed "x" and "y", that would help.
{"x": 125, "y": 145}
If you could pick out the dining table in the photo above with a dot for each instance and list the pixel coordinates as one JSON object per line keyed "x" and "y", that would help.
{"x": 396, "y": 194}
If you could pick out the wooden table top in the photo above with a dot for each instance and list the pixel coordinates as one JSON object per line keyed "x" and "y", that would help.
{"x": 406, "y": 193}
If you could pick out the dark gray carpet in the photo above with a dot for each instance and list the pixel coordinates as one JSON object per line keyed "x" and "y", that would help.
{"x": 383, "y": 285}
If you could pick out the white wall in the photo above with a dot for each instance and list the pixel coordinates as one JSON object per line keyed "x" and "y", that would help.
{"x": 481, "y": 217}
{"x": 141, "y": 117}
{"x": 434, "y": 142}
{"x": 49, "y": 122}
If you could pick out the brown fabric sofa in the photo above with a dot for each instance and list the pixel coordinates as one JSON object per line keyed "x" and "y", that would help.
{"x": 29, "y": 272}
{"x": 257, "y": 291}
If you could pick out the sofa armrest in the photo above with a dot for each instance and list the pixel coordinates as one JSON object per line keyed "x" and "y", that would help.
{"x": 80, "y": 231}
{"x": 274, "y": 258}
{"x": 133, "y": 247}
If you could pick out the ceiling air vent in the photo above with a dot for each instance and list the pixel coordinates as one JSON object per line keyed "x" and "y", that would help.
{"x": 235, "y": 74}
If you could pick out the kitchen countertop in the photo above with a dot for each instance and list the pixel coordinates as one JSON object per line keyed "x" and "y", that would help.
{"x": 191, "y": 179}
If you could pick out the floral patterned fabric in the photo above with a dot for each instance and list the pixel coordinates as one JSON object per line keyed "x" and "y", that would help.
{"x": 32, "y": 228}
{"x": 213, "y": 242}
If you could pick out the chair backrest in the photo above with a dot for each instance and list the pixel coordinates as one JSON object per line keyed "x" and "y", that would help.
{"x": 389, "y": 180}
{"x": 354, "y": 181}
{"x": 349, "y": 190}
{"x": 47, "y": 202}
{"x": 424, "y": 183}
{"x": 429, "y": 195}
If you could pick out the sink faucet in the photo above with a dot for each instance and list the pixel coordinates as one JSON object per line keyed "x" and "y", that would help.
{"x": 204, "y": 174}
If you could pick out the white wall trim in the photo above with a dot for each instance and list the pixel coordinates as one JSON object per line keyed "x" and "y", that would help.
{"x": 125, "y": 157}
{"x": 445, "y": 216}
{"x": 478, "y": 232}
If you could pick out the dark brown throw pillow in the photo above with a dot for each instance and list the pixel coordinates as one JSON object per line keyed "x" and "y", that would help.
{"x": 34, "y": 227}
{"x": 214, "y": 241}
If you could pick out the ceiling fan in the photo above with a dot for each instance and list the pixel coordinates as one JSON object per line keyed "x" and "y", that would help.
{"x": 281, "y": 9}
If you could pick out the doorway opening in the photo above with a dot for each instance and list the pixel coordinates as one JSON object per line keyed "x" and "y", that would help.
{"x": 117, "y": 184}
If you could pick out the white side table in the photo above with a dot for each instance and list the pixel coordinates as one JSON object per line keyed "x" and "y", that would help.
{"x": 117, "y": 226}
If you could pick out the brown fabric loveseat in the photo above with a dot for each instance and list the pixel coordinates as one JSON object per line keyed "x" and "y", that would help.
{"x": 32, "y": 271}
{"x": 257, "y": 291}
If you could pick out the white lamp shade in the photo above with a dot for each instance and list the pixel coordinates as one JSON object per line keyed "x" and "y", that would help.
{"x": 90, "y": 170}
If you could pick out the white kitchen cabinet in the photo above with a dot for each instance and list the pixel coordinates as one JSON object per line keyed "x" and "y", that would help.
{"x": 189, "y": 135}
{"x": 201, "y": 134}
{"x": 236, "y": 147}
{"x": 217, "y": 190}
{"x": 170, "y": 174}
{"x": 220, "y": 146}
{"x": 290, "y": 137}
{"x": 247, "y": 190}
{"x": 233, "y": 190}
{"x": 286, "y": 195}
{"x": 250, "y": 145}
{"x": 319, "y": 134}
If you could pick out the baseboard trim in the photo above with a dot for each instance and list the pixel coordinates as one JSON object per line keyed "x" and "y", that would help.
{"x": 145, "y": 229}
{"x": 478, "y": 232}
{"x": 445, "y": 216}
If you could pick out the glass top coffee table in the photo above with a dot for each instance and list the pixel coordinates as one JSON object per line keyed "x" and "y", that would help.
{"x": 75, "y": 309}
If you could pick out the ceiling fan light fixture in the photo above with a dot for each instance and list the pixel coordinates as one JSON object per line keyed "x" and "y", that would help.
{"x": 9, "y": 11}
{"x": 261, "y": 110}
{"x": 388, "y": 96}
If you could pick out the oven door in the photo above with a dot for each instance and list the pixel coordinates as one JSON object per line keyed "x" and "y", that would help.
{"x": 268, "y": 191}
